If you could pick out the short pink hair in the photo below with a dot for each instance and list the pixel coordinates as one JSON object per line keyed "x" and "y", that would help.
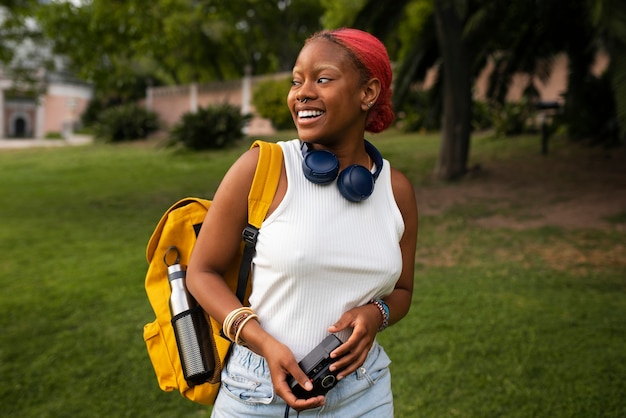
{"x": 370, "y": 56}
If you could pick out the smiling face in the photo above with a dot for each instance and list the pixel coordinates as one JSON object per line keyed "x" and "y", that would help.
{"x": 336, "y": 96}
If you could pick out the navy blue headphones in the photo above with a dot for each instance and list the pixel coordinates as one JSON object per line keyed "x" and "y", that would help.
{"x": 355, "y": 182}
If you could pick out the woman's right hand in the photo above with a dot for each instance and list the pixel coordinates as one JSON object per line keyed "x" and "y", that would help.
{"x": 282, "y": 363}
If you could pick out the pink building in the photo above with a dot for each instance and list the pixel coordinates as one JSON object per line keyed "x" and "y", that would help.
{"x": 58, "y": 110}
{"x": 172, "y": 102}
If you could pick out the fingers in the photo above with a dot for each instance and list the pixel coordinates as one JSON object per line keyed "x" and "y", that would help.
{"x": 344, "y": 322}
{"x": 283, "y": 364}
{"x": 352, "y": 359}
{"x": 284, "y": 391}
{"x": 352, "y": 354}
{"x": 302, "y": 404}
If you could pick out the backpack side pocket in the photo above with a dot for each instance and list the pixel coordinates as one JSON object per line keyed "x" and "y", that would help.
{"x": 160, "y": 356}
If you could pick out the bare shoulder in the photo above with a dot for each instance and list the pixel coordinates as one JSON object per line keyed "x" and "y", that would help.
{"x": 404, "y": 193}
{"x": 231, "y": 198}
{"x": 243, "y": 168}
{"x": 239, "y": 176}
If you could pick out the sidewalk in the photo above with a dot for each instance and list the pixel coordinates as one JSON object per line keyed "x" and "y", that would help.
{"x": 33, "y": 143}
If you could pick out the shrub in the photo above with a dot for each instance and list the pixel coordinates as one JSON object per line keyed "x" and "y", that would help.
{"x": 210, "y": 127}
{"x": 270, "y": 100}
{"x": 53, "y": 135}
{"x": 419, "y": 111}
{"x": 511, "y": 118}
{"x": 125, "y": 123}
{"x": 589, "y": 113}
{"x": 481, "y": 116}
{"x": 94, "y": 108}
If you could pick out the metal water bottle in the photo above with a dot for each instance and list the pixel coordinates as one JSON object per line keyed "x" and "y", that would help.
{"x": 190, "y": 326}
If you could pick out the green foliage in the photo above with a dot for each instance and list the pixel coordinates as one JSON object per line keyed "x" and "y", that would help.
{"x": 481, "y": 116}
{"x": 412, "y": 26}
{"x": 90, "y": 115}
{"x": 23, "y": 47}
{"x": 511, "y": 118}
{"x": 420, "y": 111}
{"x": 339, "y": 13}
{"x": 123, "y": 46}
{"x": 589, "y": 114}
{"x": 125, "y": 123}
{"x": 53, "y": 135}
{"x": 210, "y": 127}
{"x": 270, "y": 100}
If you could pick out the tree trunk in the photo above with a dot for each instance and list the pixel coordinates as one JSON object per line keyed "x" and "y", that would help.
{"x": 618, "y": 82}
{"x": 455, "y": 127}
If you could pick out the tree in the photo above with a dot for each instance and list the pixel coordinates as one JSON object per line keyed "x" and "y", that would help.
{"x": 121, "y": 46}
{"x": 23, "y": 49}
{"x": 457, "y": 99}
{"x": 609, "y": 21}
{"x": 449, "y": 18}
{"x": 517, "y": 35}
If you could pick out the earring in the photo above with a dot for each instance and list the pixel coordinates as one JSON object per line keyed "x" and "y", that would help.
{"x": 370, "y": 104}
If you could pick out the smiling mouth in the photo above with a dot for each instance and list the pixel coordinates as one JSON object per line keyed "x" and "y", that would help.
{"x": 309, "y": 114}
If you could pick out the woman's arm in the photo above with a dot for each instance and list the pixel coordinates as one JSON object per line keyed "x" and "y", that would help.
{"x": 399, "y": 301}
{"x": 217, "y": 245}
{"x": 219, "y": 239}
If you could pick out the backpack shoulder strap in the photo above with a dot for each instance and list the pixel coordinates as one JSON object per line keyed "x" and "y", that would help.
{"x": 260, "y": 198}
{"x": 265, "y": 181}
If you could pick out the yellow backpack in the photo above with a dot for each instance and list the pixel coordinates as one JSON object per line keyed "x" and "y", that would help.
{"x": 178, "y": 228}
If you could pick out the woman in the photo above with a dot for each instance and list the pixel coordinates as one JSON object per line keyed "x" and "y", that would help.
{"x": 333, "y": 256}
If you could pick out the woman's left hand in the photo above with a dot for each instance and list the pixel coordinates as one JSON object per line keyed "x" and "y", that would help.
{"x": 365, "y": 321}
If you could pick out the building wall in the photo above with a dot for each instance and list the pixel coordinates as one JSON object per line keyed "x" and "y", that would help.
{"x": 58, "y": 110}
{"x": 171, "y": 103}
{"x": 62, "y": 106}
{"x": 20, "y": 118}
{"x": 550, "y": 90}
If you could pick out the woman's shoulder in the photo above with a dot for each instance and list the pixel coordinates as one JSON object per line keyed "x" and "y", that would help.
{"x": 243, "y": 169}
{"x": 399, "y": 180}
{"x": 404, "y": 193}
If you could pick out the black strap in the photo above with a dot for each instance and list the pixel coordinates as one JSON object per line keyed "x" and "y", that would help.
{"x": 250, "y": 234}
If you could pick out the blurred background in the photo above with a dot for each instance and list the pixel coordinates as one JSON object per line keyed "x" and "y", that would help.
{"x": 511, "y": 125}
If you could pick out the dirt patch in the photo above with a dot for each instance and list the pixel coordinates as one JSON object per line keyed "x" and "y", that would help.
{"x": 578, "y": 190}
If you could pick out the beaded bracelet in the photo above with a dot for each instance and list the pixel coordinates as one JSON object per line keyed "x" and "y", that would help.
{"x": 238, "y": 340}
{"x": 384, "y": 311}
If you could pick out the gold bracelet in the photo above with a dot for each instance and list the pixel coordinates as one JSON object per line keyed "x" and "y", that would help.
{"x": 233, "y": 320}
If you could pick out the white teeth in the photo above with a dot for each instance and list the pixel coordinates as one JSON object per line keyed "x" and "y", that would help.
{"x": 309, "y": 113}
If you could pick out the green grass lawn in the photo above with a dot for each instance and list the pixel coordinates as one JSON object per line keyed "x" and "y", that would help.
{"x": 496, "y": 328}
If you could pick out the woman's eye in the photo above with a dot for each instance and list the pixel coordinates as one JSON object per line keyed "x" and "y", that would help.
{"x": 322, "y": 80}
{"x": 295, "y": 83}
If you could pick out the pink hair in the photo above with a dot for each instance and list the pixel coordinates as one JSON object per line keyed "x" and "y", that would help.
{"x": 370, "y": 56}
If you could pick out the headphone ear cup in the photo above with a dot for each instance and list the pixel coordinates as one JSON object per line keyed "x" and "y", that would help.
{"x": 355, "y": 183}
{"x": 320, "y": 167}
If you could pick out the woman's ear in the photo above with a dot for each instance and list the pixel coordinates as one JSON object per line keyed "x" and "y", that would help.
{"x": 371, "y": 90}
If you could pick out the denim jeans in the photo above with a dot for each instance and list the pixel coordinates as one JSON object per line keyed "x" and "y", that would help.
{"x": 247, "y": 390}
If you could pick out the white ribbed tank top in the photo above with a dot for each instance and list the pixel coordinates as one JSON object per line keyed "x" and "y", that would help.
{"x": 319, "y": 255}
